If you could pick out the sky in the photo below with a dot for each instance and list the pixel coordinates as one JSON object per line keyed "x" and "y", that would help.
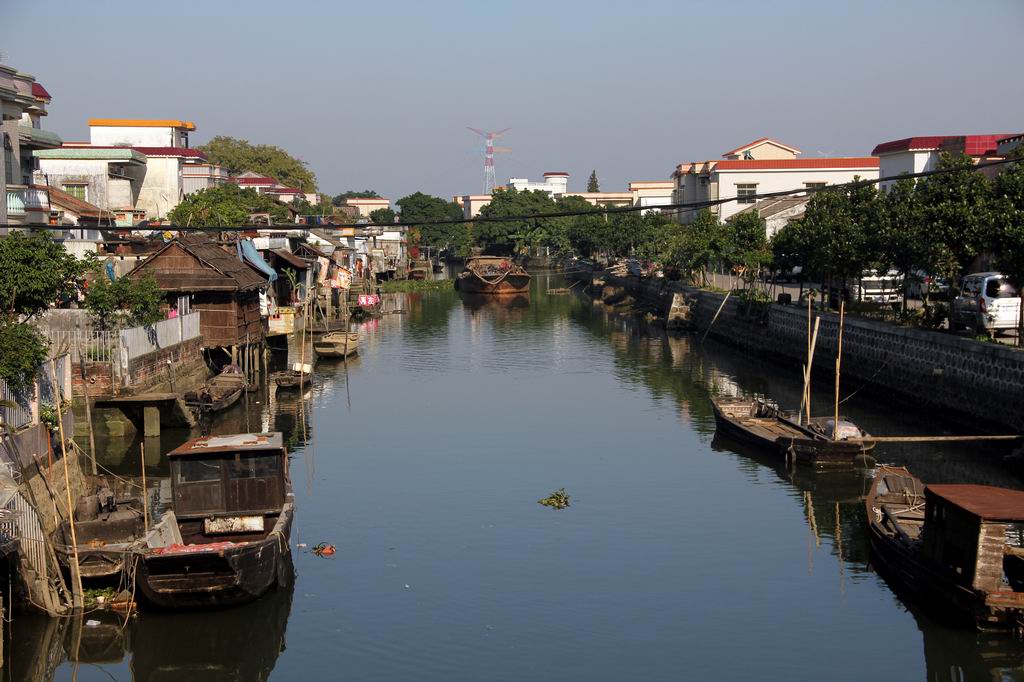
{"x": 378, "y": 95}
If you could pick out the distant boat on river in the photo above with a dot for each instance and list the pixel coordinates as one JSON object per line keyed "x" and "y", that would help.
{"x": 226, "y": 540}
{"x": 762, "y": 424}
{"x": 493, "y": 275}
{"x": 958, "y": 547}
{"x": 336, "y": 344}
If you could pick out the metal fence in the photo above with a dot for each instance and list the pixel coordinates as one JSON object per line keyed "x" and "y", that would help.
{"x": 21, "y": 405}
{"x": 94, "y": 345}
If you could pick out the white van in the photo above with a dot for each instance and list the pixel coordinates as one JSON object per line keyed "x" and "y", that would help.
{"x": 987, "y": 303}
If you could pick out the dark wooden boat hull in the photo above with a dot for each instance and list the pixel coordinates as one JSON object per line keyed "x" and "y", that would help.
{"x": 795, "y": 444}
{"x": 214, "y": 579}
{"x": 899, "y": 562}
{"x": 471, "y": 283}
{"x": 288, "y": 381}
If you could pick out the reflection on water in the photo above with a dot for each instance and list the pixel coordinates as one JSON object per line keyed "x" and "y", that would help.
{"x": 423, "y": 458}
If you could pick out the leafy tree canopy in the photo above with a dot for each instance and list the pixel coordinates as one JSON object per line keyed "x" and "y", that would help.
{"x": 424, "y": 207}
{"x": 225, "y": 205}
{"x": 124, "y": 302}
{"x": 239, "y": 156}
{"x": 382, "y": 216}
{"x": 339, "y": 199}
{"x": 501, "y": 237}
{"x": 35, "y": 272}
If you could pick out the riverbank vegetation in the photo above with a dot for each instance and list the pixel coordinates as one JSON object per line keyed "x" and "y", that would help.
{"x": 415, "y": 285}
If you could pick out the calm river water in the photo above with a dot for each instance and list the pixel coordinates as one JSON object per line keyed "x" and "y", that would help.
{"x": 683, "y": 556}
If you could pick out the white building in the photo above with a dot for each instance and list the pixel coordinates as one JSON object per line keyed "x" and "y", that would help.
{"x": 124, "y": 132}
{"x": 920, "y": 154}
{"x": 108, "y": 177}
{"x": 761, "y": 167}
{"x": 555, "y": 183}
{"x": 364, "y": 207}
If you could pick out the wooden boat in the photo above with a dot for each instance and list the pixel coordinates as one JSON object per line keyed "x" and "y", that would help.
{"x": 108, "y": 534}
{"x": 220, "y": 393}
{"x": 957, "y": 546}
{"x": 226, "y": 539}
{"x": 337, "y": 344}
{"x": 492, "y": 275}
{"x": 764, "y": 425}
{"x": 288, "y": 379}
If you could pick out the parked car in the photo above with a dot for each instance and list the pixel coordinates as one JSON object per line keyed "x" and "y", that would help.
{"x": 921, "y": 283}
{"x": 987, "y": 303}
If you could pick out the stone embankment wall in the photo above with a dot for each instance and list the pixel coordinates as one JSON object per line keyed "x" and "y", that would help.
{"x": 983, "y": 381}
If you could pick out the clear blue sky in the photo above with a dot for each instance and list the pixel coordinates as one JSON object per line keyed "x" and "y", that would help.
{"x": 378, "y": 94}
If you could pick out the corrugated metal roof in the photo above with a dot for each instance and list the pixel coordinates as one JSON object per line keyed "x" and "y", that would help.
{"x": 231, "y": 443}
{"x": 984, "y": 501}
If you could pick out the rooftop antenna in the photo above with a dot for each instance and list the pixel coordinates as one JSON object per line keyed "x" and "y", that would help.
{"x": 489, "y": 151}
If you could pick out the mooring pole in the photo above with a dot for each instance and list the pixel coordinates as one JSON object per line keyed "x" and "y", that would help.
{"x": 76, "y": 587}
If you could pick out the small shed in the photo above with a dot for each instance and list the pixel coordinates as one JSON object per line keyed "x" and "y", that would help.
{"x": 966, "y": 530}
{"x": 223, "y": 288}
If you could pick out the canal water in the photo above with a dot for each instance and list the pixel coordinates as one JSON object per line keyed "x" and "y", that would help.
{"x": 682, "y": 555}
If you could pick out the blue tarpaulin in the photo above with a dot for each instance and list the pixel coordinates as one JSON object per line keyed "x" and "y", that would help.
{"x": 247, "y": 252}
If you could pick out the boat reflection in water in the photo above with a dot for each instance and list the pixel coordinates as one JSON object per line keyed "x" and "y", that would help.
{"x": 241, "y": 643}
{"x": 510, "y": 301}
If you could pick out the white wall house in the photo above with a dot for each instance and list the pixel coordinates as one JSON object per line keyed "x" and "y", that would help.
{"x": 920, "y": 154}
{"x": 763, "y": 166}
{"x": 555, "y": 183}
{"x": 124, "y": 132}
{"x": 108, "y": 177}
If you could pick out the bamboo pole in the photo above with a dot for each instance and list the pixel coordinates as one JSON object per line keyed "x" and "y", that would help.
{"x": 88, "y": 415}
{"x": 932, "y": 439}
{"x": 145, "y": 491}
{"x": 807, "y": 370}
{"x": 810, "y": 352}
{"x": 839, "y": 359}
{"x": 76, "y": 595}
{"x": 717, "y": 313}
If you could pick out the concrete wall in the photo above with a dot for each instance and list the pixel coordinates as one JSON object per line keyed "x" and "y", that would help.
{"x": 134, "y": 136}
{"x": 780, "y": 180}
{"x": 162, "y": 187}
{"x": 977, "y": 380}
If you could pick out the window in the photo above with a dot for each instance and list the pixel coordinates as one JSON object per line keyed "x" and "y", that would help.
{"x": 745, "y": 193}
{"x": 998, "y": 288}
{"x": 198, "y": 471}
{"x": 255, "y": 467}
{"x": 76, "y": 189}
{"x": 814, "y": 186}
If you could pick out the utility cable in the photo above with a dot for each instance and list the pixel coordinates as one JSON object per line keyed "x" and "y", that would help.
{"x": 686, "y": 206}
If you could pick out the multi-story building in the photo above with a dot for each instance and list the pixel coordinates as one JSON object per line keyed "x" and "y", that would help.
{"x": 23, "y": 104}
{"x": 920, "y": 154}
{"x": 640, "y": 193}
{"x": 111, "y": 178}
{"x": 763, "y": 166}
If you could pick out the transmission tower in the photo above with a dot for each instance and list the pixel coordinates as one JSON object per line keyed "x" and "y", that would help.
{"x": 489, "y": 151}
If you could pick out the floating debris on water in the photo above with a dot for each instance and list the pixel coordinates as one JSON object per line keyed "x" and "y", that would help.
{"x": 324, "y": 549}
{"x": 556, "y": 500}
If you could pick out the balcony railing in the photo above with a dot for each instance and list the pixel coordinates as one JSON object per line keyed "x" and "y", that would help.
{"x": 19, "y": 201}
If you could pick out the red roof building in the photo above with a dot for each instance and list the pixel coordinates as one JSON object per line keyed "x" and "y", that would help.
{"x": 921, "y": 153}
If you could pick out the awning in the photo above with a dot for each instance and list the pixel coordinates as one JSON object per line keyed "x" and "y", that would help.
{"x": 247, "y": 252}
{"x": 290, "y": 258}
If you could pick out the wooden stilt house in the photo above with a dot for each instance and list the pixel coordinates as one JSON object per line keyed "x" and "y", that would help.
{"x": 223, "y": 288}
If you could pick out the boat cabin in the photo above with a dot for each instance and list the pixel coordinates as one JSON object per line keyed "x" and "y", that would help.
{"x": 976, "y": 534}
{"x": 228, "y": 487}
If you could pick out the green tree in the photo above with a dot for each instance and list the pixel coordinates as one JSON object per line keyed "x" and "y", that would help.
{"x": 842, "y": 249}
{"x": 439, "y": 235}
{"x": 902, "y": 242}
{"x": 1006, "y": 238}
{"x": 499, "y": 237}
{"x": 792, "y": 247}
{"x": 382, "y": 216}
{"x": 339, "y": 199}
{"x": 592, "y": 184}
{"x": 35, "y": 273}
{"x": 956, "y": 209}
{"x": 239, "y": 156}
{"x": 225, "y": 205}
{"x": 746, "y": 241}
{"x": 124, "y": 302}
